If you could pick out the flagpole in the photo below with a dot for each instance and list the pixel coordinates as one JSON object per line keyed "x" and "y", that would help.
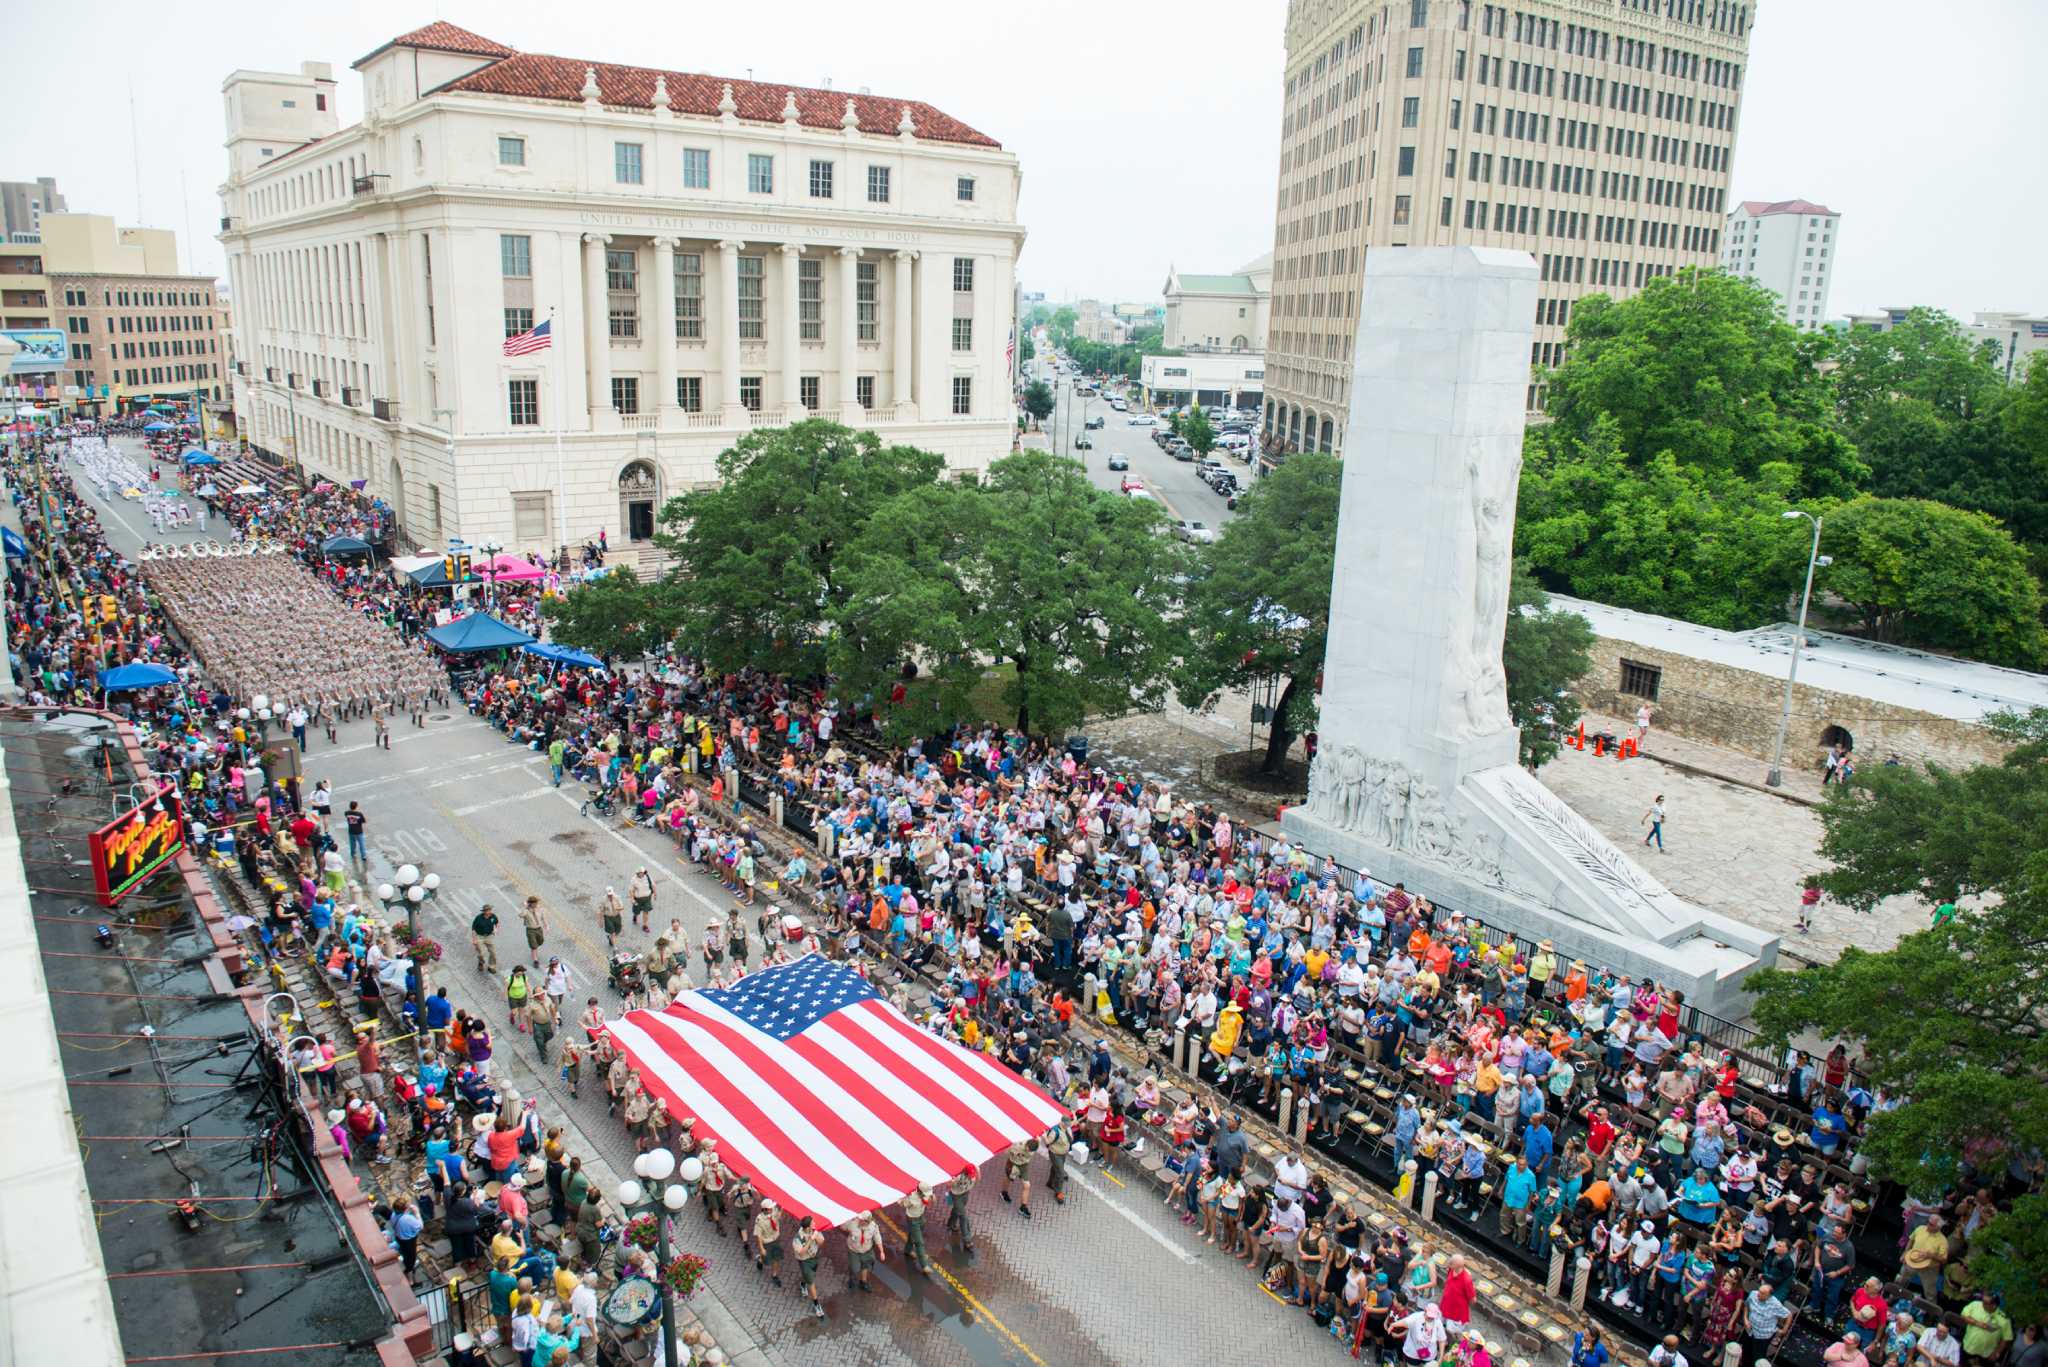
{"x": 561, "y": 486}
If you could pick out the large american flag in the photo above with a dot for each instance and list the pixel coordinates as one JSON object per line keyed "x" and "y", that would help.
{"x": 530, "y": 341}
{"x": 823, "y": 1094}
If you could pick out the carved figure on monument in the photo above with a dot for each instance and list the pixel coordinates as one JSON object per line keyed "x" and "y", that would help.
{"x": 1351, "y": 778}
{"x": 1486, "y": 697}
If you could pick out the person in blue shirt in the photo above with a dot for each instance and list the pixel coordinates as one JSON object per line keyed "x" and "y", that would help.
{"x": 1407, "y": 1122}
{"x": 1830, "y": 1127}
{"x": 1517, "y": 1190}
{"x": 1708, "y": 1149}
{"x": 1699, "y": 1200}
{"x": 404, "y": 1232}
{"x": 1537, "y": 1144}
{"x": 1666, "y": 1290}
{"x": 440, "y": 1011}
{"x": 1588, "y": 1350}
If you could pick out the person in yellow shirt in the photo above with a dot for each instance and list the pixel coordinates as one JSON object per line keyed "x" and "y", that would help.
{"x": 1228, "y": 1027}
{"x": 1542, "y": 968}
{"x": 1314, "y": 961}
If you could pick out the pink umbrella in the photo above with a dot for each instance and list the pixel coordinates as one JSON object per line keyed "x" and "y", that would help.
{"x": 507, "y": 569}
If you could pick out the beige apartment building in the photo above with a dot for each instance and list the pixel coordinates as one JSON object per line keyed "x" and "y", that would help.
{"x": 1596, "y": 135}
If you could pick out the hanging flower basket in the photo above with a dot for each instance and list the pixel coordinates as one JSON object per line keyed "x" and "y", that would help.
{"x": 684, "y": 1274}
{"x": 641, "y": 1232}
{"x": 421, "y": 949}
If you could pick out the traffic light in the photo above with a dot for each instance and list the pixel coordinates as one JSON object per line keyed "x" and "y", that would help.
{"x": 109, "y": 609}
{"x": 455, "y": 566}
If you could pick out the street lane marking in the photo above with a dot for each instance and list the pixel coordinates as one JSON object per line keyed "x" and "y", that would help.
{"x": 475, "y": 807}
{"x": 475, "y": 774}
{"x": 398, "y": 740}
{"x": 673, "y": 877}
{"x": 1144, "y": 1225}
{"x": 967, "y": 1297}
{"x": 398, "y": 777}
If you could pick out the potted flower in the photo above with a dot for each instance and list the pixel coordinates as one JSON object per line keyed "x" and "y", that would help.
{"x": 641, "y": 1232}
{"x": 684, "y": 1273}
{"x": 421, "y": 949}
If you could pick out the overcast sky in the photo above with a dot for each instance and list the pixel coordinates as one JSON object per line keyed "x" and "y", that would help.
{"x": 1148, "y": 131}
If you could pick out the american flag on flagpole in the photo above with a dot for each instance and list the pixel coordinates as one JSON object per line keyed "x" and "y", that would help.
{"x": 828, "y": 1098}
{"x": 531, "y": 340}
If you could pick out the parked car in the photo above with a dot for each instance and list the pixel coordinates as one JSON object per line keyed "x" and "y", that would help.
{"x": 1141, "y": 420}
{"x": 1081, "y": 443}
{"x": 1163, "y": 438}
{"x": 1195, "y": 532}
{"x": 1118, "y": 404}
{"x": 1119, "y": 462}
{"x": 1131, "y": 486}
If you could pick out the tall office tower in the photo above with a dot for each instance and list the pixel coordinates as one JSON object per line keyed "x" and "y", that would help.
{"x": 1596, "y": 135}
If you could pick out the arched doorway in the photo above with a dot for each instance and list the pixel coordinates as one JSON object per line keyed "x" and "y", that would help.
{"x": 1834, "y": 735}
{"x": 1324, "y": 444}
{"x": 639, "y": 492}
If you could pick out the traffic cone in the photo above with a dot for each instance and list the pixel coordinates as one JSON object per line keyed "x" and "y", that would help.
{"x": 1599, "y": 746}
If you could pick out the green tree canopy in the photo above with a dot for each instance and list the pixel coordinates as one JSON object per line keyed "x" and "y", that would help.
{"x": 1952, "y": 1019}
{"x": 1702, "y": 366}
{"x": 1545, "y": 651}
{"x": 1035, "y": 569}
{"x": 1924, "y": 573}
{"x": 1038, "y": 400}
{"x": 1196, "y": 431}
{"x": 1924, "y": 357}
{"x": 1710, "y": 546}
{"x": 618, "y": 615}
{"x": 1258, "y": 599}
{"x": 760, "y": 551}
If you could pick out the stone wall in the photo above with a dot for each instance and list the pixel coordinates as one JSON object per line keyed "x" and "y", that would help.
{"x": 1739, "y": 708}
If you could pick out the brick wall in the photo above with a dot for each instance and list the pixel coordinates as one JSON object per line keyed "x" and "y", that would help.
{"x": 1738, "y": 708}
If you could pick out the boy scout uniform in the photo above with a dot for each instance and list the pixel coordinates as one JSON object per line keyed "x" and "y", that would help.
{"x": 913, "y": 1224}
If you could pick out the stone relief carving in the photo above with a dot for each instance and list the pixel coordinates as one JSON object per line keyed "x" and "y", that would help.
{"x": 1485, "y": 543}
{"x": 1397, "y": 809}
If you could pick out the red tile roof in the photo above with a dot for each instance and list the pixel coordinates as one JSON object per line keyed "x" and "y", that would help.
{"x": 440, "y": 36}
{"x": 1761, "y": 208}
{"x": 534, "y": 76}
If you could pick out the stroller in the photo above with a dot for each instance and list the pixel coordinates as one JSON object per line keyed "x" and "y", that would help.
{"x": 600, "y": 801}
{"x": 627, "y": 977}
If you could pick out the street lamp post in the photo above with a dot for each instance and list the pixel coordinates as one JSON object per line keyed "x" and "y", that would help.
{"x": 1776, "y": 777}
{"x": 491, "y": 549}
{"x": 656, "y": 1193}
{"x": 414, "y": 889}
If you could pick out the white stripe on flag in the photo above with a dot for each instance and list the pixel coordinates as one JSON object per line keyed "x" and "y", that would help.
{"x": 799, "y": 1132}
{"x": 1022, "y": 1094}
{"x": 943, "y": 1127}
{"x": 733, "y": 1137}
{"x": 865, "y": 1122}
{"x": 943, "y": 1074}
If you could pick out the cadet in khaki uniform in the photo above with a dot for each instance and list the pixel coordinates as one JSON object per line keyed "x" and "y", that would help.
{"x": 863, "y": 1250}
{"x": 956, "y": 1203}
{"x": 768, "y": 1240}
{"x": 915, "y": 1203}
{"x": 808, "y": 1243}
{"x": 1058, "y": 1141}
{"x": 714, "y": 1187}
{"x": 1017, "y": 1168}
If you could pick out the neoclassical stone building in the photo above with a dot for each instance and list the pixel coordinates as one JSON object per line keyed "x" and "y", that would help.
{"x": 708, "y": 256}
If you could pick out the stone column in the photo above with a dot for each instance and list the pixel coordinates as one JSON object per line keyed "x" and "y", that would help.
{"x": 903, "y": 349}
{"x": 730, "y": 412}
{"x": 664, "y": 330}
{"x": 792, "y": 350}
{"x": 849, "y": 336}
{"x": 597, "y": 329}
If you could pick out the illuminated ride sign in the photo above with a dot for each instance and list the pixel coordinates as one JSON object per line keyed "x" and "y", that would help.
{"x": 132, "y": 846}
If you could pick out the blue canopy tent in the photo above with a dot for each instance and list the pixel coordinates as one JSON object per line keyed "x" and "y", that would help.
{"x": 195, "y": 456}
{"x": 434, "y": 575}
{"x": 476, "y": 632}
{"x": 338, "y": 546}
{"x": 567, "y": 655}
{"x": 17, "y": 549}
{"x": 158, "y": 427}
{"x": 125, "y": 677}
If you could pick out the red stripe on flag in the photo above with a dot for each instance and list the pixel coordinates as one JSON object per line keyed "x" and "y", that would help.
{"x": 919, "y": 1136}
{"x": 748, "y": 1113}
{"x": 840, "y": 1131}
{"x": 996, "y": 1096}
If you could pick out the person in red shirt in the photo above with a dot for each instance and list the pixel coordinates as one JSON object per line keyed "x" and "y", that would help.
{"x": 303, "y": 828}
{"x": 1458, "y": 1293}
{"x": 1599, "y": 1137}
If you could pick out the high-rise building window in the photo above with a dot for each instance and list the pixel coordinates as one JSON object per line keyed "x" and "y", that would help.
{"x": 750, "y": 393}
{"x": 963, "y": 275}
{"x": 1411, "y": 111}
{"x": 689, "y": 286}
{"x": 864, "y": 275}
{"x": 752, "y": 328}
{"x": 807, "y": 391}
{"x": 1405, "y": 163}
{"x": 810, "y": 300}
{"x": 523, "y": 403}
{"x": 864, "y": 391}
{"x": 963, "y": 334}
{"x": 690, "y": 393}
{"x": 626, "y": 393}
{"x": 515, "y": 253}
{"x": 1401, "y": 203}
{"x": 1418, "y": 13}
{"x": 1414, "y": 61}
